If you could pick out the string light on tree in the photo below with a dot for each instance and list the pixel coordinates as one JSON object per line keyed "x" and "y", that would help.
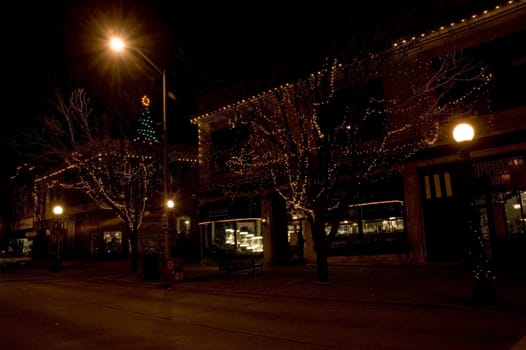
{"x": 312, "y": 136}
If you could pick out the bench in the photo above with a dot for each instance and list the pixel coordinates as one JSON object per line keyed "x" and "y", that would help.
{"x": 240, "y": 263}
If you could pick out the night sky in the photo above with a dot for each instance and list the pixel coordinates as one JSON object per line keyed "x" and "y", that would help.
{"x": 205, "y": 47}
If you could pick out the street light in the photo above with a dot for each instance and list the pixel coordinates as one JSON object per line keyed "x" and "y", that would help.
{"x": 58, "y": 210}
{"x": 482, "y": 270}
{"x": 56, "y": 238}
{"x": 117, "y": 44}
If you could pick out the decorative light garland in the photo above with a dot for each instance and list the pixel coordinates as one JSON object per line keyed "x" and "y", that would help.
{"x": 510, "y": 4}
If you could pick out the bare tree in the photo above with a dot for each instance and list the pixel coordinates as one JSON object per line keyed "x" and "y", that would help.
{"x": 112, "y": 172}
{"x": 318, "y": 138}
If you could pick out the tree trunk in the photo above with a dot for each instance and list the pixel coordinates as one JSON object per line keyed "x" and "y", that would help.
{"x": 134, "y": 251}
{"x": 322, "y": 266}
{"x": 320, "y": 246}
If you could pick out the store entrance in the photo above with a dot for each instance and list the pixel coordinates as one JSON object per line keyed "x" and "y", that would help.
{"x": 444, "y": 190}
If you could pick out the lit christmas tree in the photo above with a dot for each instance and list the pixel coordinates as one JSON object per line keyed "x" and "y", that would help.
{"x": 146, "y": 132}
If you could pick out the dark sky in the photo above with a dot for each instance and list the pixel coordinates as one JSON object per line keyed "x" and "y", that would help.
{"x": 204, "y": 46}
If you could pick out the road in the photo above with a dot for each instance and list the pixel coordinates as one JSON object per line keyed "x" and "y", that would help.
{"x": 59, "y": 311}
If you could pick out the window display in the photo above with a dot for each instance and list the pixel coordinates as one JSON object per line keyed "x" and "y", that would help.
{"x": 113, "y": 242}
{"x": 243, "y": 236}
{"x": 239, "y": 236}
{"x": 515, "y": 213}
{"x": 374, "y": 227}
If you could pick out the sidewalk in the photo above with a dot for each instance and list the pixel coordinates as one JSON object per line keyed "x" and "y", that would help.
{"x": 432, "y": 285}
{"x": 429, "y": 286}
{"x": 438, "y": 286}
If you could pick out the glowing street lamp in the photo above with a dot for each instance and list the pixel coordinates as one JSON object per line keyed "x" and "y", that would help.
{"x": 58, "y": 210}
{"x": 56, "y": 237}
{"x": 482, "y": 272}
{"x": 118, "y": 45}
{"x": 463, "y": 132}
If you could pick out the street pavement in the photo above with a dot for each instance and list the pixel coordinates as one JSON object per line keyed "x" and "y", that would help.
{"x": 444, "y": 286}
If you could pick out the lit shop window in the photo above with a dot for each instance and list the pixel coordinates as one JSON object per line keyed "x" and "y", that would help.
{"x": 113, "y": 242}
{"x": 371, "y": 228}
{"x": 241, "y": 235}
{"x": 373, "y": 218}
{"x": 515, "y": 209}
{"x": 244, "y": 236}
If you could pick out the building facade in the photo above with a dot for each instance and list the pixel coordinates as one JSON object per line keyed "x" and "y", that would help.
{"x": 83, "y": 230}
{"x": 415, "y": 214}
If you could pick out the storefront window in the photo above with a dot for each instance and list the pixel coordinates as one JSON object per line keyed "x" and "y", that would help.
{"x": 113, "y": 242}
{"x": 371, "y": 228}
{"x": 238, "y": 236}
{"x": 296, "y": 241}
{"x": 515, "y": 207}
{"x": 183, "y": 225}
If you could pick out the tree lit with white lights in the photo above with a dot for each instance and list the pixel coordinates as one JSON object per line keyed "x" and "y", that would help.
{"x": 113, "y": 173}
{"x": 314, "y": 141}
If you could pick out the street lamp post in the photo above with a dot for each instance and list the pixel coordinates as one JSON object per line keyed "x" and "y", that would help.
{"x": 56, "y": 238}
{"x": 118, "y": 45}
{"x": 483, "y": 273}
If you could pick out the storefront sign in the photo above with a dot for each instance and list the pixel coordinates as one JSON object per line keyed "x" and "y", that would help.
{"x": 499, "y": 166}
